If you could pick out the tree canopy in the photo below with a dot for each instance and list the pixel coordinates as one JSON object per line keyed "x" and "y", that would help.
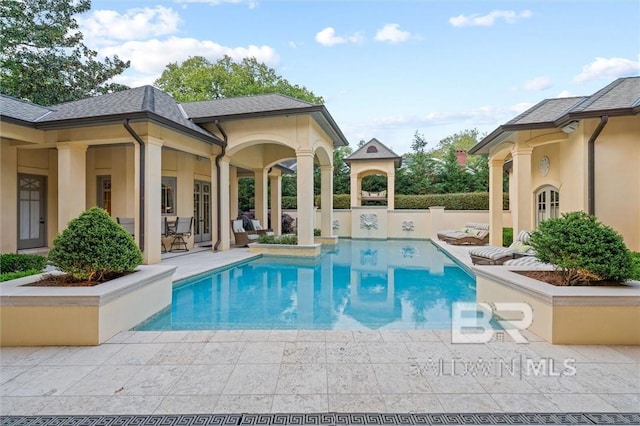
{"x": 43, "y": 58}
{"x": 198, "y": 79}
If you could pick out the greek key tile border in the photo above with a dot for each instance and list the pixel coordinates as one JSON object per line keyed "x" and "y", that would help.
{"x": 329, "y": 419}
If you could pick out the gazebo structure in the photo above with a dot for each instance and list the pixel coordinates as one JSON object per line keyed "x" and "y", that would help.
{"x": 373, "y": 158}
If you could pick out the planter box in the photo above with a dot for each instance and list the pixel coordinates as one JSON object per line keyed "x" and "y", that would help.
{"x": 39, "y": 316}
{"x": 292, "y": 250}
{"x": 567, "y": 315}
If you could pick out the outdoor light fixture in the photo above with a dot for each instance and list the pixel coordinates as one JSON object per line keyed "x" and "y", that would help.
{"x": 570, "y": 127}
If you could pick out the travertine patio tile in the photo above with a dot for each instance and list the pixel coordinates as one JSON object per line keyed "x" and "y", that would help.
{"x": 525, "y": 403}
{"x": 199, "y": 336}
{"x": 121, "y": 337}
{"x": 388, "y": 352}
{"x": 154, "y": 380}
{"x": 623, "y": 402}
{"x": 192, "y": 404}
{"x": 84, "y": 355}
{"x": 400, "y": 378}
{"x": 339, "y": 336}
{"x": 258, "y": 379}
{"x": 585, "y": 402}
{"x": 305, "y": 352}
{"x": 367, "y": 336}
{"x": 244, "y": 404}
{"x": 135, "y": 354}
{"x": 423, "y": 336}
{"x": 559, "y": 353}
{"x": 412, "y": 403}
{"x": 255, "y": 335}
{"x": 454, "y": 384}
{"x": 227, "y": 336}
{"x": 352, "y": 379}
{"x": 171, "y": 337}
{"x": 220, "y": 353}
{"x": 177, "y": 353}
{"x": 598, "y": 353}
{"x": 261, "y": 353}
{"x": 632, "y": 352}
{"x": 630, "y": 372}
{"x": 11, "y": 355}
{"x": 133, "y": 404}
{"x": 202, "y": 380}
{"x": 468, "y": 403}
{"x": 302, "y": 379}
{"x": 143, "y": 337}
{"x": 44, "y": 381}
{"x": 300, "y": 403}
{"x": 104, "y": 380}
{"x": 10, "y": 372}
{"x": 429, "y": 351}
{"x": 283, "y": 335}
{"x": 347, "y": 352}
{"x": 471, "y": 352}
{"x": 548, "y": 385}
{"x": 504, "y": 384}
{"x": 395, "y": 336}
{"x": 357, "y": 403}
{"x": 24, "y": 405}
{"x": 598, "y": 379}
{"x": 39, "y": 356}
{"x": 311, "y": 336}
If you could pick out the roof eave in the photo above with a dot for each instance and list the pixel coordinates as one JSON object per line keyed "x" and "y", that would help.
{"x": 18, "y": 121}
{"x": 136, "y": 116}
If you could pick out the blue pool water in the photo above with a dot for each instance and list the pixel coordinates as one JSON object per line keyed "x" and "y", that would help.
{"x": 359, "y": 284}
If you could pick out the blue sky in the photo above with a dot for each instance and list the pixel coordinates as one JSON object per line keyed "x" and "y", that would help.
{"x": 387, "y": 69}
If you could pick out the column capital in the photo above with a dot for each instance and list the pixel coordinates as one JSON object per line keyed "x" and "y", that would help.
{"x": 521, "y": 151}
{"x": 225, "y": 159}
{"x": 326, "y": 168}
{"x": 495, "y": 162}
{"x": 304, "y": 152}
{"x": 72, "y": 145}
{"x": 150, "y": 140}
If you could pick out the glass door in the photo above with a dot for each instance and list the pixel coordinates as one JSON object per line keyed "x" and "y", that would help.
{"x": 202, "y": 211}
{"x": 31, "y": 211}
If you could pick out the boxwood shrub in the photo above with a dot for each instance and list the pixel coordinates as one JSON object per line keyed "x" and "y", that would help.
{"x": 583, "y": 249}
{"x": 15, "y": 262}
{"x": 94, "y": 247}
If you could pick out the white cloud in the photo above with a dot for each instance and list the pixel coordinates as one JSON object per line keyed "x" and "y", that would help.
{"x": 509, "y": 16}
{"x": 251, "y": 3}
{"x": 520, "y": 107}
{"x": 151, "y": 56}
{"x": 565, "y": 94}
{"x": 538, "y": 83}
{"x": 609, "y": 68}
{"x": 103, "y": 26}
{"x": 392, "y": 33}
{"x": 327, "y": 37}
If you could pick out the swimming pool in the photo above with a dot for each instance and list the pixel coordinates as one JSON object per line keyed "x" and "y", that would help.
{"x": 359, "y": 284}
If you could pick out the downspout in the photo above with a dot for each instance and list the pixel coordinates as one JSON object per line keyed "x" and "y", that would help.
{"x": 217, "y": 161}
{"x": 591, "y": 164}
{"x": 142, "y": 171}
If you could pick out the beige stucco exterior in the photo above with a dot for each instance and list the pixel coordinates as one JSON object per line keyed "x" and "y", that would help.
{"x": 617, "y": 175}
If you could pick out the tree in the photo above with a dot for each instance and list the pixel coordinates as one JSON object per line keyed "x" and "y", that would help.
{"x": 198, "y": 79}
{"x": 341, "y": 171}
{"x": 463, "y": 140}
{"x": 42, "y": 57}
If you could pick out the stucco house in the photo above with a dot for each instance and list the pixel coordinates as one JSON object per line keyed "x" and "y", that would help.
{"x": 140, "y": 154}
{"x": 568, "y": 154}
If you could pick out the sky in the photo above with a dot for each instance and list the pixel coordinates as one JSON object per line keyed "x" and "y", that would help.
{"x": 389, "y": 69}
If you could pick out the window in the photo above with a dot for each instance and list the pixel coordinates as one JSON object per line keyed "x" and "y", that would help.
{"x": 104, "y": 193}
{"x": 372, "y": 149}
{"x": 168, "y": 196}
{"x": 548, "y": 204}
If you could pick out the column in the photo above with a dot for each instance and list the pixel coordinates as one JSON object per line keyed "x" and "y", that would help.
{"x": 260, "y": 195}
{"x": 233, "y": 192}
{"x": 275, "y": 181}
{"x": 495, "y": 201}
{"x": 152, "y": 201}
{"x": 72, "y": 181}
{"x": 326, "y": 200}
{"x": 305, "y": 196}
{"x": 436, "y": 217}
{"x": 9, "y": 199}
{"x": 213, "y": 203}
{"x": 522, "y": 204}
{"x": 355, "y": 190}
{"x": 225, "y": 225}
{"x": 391, "y": 190}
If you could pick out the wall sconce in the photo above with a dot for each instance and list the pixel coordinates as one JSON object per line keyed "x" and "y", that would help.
{"x": 571, "y": 127}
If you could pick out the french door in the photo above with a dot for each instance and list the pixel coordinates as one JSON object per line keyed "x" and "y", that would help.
{"x": 202, "y": 211}
{"x": 32, "y": 230}
{"x": 548, "y": 204}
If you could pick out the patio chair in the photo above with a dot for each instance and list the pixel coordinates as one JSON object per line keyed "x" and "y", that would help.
{"x": 496, "y": 255}
{"x": 184, "y": 228}
{"x": 242, "y": 236}
{"x": 469, "y": 228}
{"x": 259, "y": 229}
{"x": 128, "y": 224}
{"x": 530, "y": 262}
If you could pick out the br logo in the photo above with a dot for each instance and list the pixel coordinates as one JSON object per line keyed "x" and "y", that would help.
{"x": 478, "y": 322}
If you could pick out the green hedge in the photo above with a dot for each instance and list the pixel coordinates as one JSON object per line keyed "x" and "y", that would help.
{"x": 14, "y": 262}
{"x": 461, "y": 201}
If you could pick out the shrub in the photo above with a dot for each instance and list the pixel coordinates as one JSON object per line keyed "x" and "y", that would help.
{"x": 14, "y": 262}
{"x": 282, "y": 239}
{"x": 507, "y": 236}
{"x": 317, "y": 232}
{"x": 18, "y": 274}
{"x": 458, "y": 201}
{"x": 582, "y": 248}
{"x": 287, "y": 224}
{"x": 635, "y": 266}
{"x": 94, "y": 247}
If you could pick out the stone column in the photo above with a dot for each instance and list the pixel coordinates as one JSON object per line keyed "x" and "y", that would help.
{"x": 522, "y": 203}
{"x": 260, "y": 195}
{"x": 9, "y": 199}
{"x": 233, "y": 192}
{"x": 326, "y": 200}
{"x": 152, "y": 201}
{"x": 225, "y": 225}
{"x": 436, "y": 214}
{"x": 355, "y": 190}
{"x": 495, "y": 201}
{"x": 391, "y": 190}
{"x": 305, "y": 196}
{"x": 276, "y": 203}
{"x": 72, "y": 181}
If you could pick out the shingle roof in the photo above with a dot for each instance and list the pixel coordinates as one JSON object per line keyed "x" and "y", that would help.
{"x": 374, "y": 150}
{"x": 243, "y": 105}
{"x": 621, "y": 97}
{"x": 21, "y": 110}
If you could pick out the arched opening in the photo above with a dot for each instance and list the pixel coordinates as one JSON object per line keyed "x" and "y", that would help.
{"x": 547, "y": 203}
